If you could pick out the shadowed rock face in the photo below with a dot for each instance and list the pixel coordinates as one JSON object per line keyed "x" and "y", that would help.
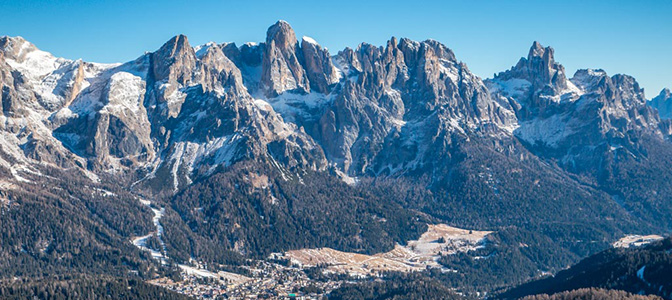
{"x": 320, "y": 70}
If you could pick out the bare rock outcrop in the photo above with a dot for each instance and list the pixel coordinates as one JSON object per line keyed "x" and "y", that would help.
{"x": 281, "y": 66}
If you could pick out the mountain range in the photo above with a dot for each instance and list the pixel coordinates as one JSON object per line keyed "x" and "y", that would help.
{"x": 280, "y": 145}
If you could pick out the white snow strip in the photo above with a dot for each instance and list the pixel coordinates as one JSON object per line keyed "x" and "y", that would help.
{"x": 141, "y": 242}
{"x": 309, "y": 40}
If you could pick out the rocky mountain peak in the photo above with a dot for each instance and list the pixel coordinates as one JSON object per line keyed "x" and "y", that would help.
{"x": 174, "y": 61}
{"x": 536, "y": 82}
{"x": 25, "y": 67}
{"x": 28, "y": 59}
{"x": 177, "y": 44}
{"x": 539, "y": 69}
{"x": 664, "y": 95}
{"x": 617, "y": 88}
{"x": 11, "y": 47}
{"x": 627, "y": 88}
{"x": 663, "y": 103}
{"x": 666, "y": 92}
{"x": 589, "y": 79}
{"x": 216, "y": 70}
{"x": 281, "y": 66}
{"x": 356, "y": 107}
{"x": 440, "y": 50}
{"x": 609, "y": 106}
{"x": 282, "y": 34}
{"x": 319, "y": 68}
{"x": 19, "y": 50}
{"x": 541, "y": 64}
{"x": 538, "y": 50}
{"x": 172, "y": 67}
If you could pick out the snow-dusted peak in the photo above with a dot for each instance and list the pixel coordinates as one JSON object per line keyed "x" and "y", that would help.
{"x": 283, "y": 22}
{"x": 202, "y": 49}
{"x": 310, "y": 40}
{"x": 514, "y": 87}
{"x": 13, "y": 47}
{"x": 27, "y": 59}
{"x": 587, "y": 79}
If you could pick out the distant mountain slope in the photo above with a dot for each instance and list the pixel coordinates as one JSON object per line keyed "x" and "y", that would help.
{"x": 593, "y": 294}
{"x": 645, "y": 270}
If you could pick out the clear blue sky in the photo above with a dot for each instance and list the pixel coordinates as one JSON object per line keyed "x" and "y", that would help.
{"x": 630, "y": 37}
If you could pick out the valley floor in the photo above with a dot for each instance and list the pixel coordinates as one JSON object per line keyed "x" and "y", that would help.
{"x": 273, "y": 279}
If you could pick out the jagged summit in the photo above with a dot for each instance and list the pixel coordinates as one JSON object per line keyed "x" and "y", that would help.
{"x": 151, "y": 103}
{"x": 578, "y": 115}
{"x": 664, "y": 95}
{"x": 177, "y": 43}
{"x": 176, "y": 58}
{"x": 282, "y": 34}
{"x": 281, "y": 66}
{"x": 663, "y": 103}
{"x": 538, "y": 50}
{"x": 539, "y": 69}
{"x": 13, "y": 43}
{"x": 535, "y": 83}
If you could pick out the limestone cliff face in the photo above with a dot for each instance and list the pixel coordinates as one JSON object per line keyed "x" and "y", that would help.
{"x": 216, "y": 70}
{"x": 34, "y": 85}
{"x": 393, "y": 103}
{"x": 172, "y": 67}
{"x": 320, "y": 70}
{"x": 282, "y": 70}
